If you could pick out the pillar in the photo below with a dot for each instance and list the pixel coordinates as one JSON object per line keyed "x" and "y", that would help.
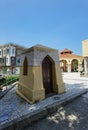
{"x": 86, "y": 66}
{"x": 69, "y": 67}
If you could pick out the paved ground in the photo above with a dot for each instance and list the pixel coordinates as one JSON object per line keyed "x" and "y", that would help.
{"x": 13, "y": 108}
{"x": 73, "y": 116}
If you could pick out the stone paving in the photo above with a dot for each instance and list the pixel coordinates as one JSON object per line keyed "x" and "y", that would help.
{"x": 13, "y": 108}
{"x": 72, "y": 116}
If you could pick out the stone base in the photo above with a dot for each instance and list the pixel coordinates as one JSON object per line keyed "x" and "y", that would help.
{"x": 31, "y": 96}
{"x": 62, "y": 89}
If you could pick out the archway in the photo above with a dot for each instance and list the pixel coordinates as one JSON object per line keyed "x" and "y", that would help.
{"x": 63, "y": 64}
{"x": 74, "y": 65}
{"x": 47, "y": 75}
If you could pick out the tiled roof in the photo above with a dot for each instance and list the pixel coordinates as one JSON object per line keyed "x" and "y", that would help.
{"x": 66, "y": 53}
{"x": 70, "y": 56}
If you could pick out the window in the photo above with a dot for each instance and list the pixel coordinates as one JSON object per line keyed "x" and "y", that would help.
{"x": 18, "y": 60}
{"x": 6, "y": 60}
{"x": 13, "y": 51}
{"x": 7, "y": 51}
{"x": 1, "y": 60}
{"x": 4, "y": 52}
{"x": 25, "y": 66}
{"x": 13, "y": 61}
{"x": 0, "y": 53}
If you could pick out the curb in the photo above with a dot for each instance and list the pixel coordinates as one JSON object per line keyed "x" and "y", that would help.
{"x": 25, "y": 120}
{"x": 6, "y": 91}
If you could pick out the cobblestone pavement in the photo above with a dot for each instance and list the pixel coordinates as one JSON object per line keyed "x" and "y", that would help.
{"x": 12, "y": 107}
{"x": 73, "y": 116}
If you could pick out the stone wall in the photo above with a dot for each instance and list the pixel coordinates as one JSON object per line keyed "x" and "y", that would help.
{"x": 36, "y": 57}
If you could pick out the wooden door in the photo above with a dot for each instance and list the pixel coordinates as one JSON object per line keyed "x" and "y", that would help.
{"x": 47, "y": 75}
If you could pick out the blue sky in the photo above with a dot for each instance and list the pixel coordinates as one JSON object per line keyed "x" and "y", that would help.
{"x": 54, "y": 23}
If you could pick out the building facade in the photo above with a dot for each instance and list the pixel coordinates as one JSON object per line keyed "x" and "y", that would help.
{"x": 70, "y": 62}
{"x": 8, "y": 54}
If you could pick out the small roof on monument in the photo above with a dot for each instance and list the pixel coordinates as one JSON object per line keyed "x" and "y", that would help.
{"x": 39, "y": 46}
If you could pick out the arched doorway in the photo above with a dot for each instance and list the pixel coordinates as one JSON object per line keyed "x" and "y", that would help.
{"x": 47, "y": 75}
{"x": 74, "y": 65}
{"x": 63, "y": 64}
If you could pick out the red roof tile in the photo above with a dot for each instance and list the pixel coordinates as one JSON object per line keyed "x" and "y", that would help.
{"x": 66, "y": 53}
{"x": 70, "y": 56}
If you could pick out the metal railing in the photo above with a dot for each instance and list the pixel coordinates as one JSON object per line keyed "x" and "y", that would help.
{"x": 5, "y": 85}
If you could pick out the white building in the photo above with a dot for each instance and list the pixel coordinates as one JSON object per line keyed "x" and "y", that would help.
{"x": 8, "y": 54}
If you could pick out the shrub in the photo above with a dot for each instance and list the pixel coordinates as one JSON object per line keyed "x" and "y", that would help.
{"x": 2, "y": 81}
{"x": 9, "y": 79}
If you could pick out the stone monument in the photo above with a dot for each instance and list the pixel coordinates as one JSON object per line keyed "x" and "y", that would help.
{"x": 39, "y": 74}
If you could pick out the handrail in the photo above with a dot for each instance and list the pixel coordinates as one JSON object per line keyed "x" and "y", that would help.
{"x": 7, "y": 83}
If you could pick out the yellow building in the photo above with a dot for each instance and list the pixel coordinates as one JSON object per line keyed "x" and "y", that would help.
{"x": 70, "y": 62}
{"x": 39, "y": 74}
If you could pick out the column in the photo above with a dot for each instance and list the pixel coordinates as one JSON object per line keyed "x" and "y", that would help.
{"x": 69, "y": 67}
{"x": 86, "y": 66}
{"x": 80, "y": 68}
